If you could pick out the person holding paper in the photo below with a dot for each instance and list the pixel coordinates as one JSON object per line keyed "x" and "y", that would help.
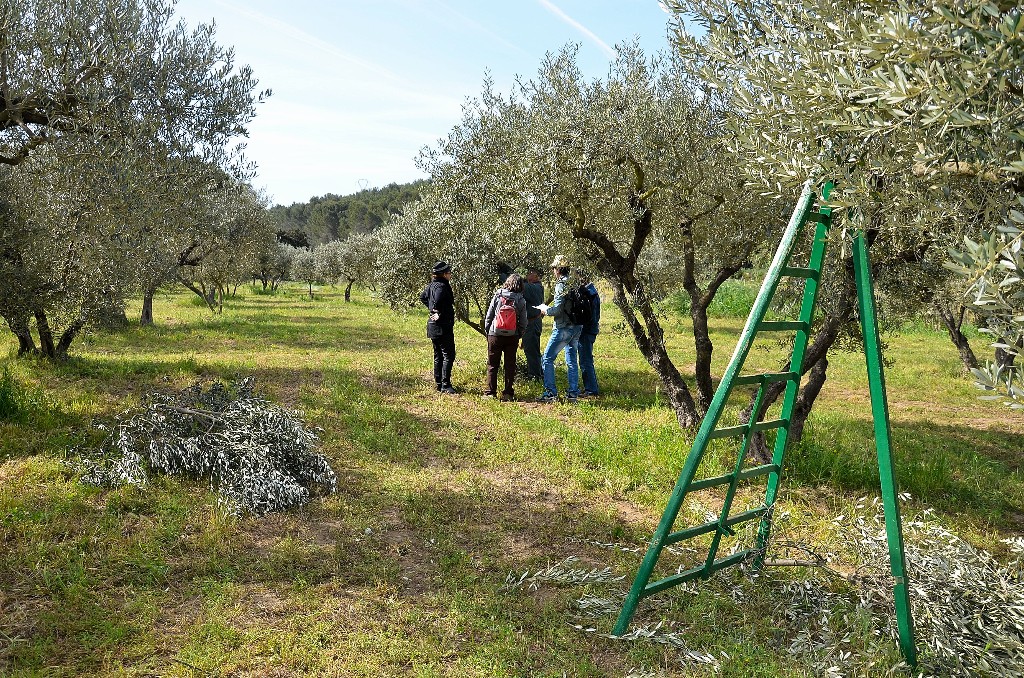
{"x": 564, "y": 335}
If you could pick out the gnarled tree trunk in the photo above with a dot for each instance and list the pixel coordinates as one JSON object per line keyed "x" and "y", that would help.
{"x": 46, "y": 345}
{"x": 18, "y": 323}
{"x": 632, "y": 298}
{"x": 953, "y": 324}
{"x": 700, "y": 300}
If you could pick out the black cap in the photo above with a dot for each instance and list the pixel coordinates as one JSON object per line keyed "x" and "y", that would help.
{"x": 441, "y": 267}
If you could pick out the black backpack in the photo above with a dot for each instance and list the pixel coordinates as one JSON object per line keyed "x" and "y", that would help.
{"x": 579, "y": 306}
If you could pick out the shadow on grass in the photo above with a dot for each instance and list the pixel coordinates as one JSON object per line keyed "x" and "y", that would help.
{"x": 438, "y": 536}
{"x": 953, "y": 469}
{"x": 209, "y": 337}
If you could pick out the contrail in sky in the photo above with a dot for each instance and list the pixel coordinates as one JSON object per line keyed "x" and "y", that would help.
{"x": 306, "y": 38}
{"x": 551, "y": 7}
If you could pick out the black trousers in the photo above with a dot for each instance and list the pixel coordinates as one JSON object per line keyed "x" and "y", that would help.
{"x": 444, "y": 358}
{"x": 499, "y": 347}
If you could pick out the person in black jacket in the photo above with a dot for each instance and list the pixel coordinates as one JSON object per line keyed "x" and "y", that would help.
{"x": 439, "y": 300}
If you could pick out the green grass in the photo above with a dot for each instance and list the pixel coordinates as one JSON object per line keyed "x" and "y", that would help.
{"x": 440, "y": 498}
{"x": 734, "y": 299}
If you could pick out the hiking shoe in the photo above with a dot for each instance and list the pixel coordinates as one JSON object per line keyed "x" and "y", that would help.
{"x": 507, "y": 398}
{"x": 588, "y": 394}
{"x": 548, "y": 398}
{"x": 448, "y": 389}
{"x": 572, "y": 399}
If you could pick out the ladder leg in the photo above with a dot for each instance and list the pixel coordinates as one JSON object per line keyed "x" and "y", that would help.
{"x": 883, "y": 445}
{"x": 668, "y": 519}
{"x": 796, "y": 363}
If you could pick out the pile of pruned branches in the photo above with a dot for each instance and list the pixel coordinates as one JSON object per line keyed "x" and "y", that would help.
{"x": 258, "y": 456}
{"x": 968, "y": 607}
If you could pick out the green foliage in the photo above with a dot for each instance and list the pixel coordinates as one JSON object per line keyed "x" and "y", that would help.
{"x": 913, "y": 107}
{"x": 117, "y": 129}
{"x": 334, "y": 217}
{"x": 994, "y": 267}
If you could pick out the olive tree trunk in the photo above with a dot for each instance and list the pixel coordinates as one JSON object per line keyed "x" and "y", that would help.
{"x": 632, "y": 297}
{"x": 953, "y": 324}
{"x": 147, "y": 307}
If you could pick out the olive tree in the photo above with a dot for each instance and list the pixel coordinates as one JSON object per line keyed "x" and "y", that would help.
{"x": 305, "y": 268}
{"x": 351, "y": 260}
{"x": 914, "y": 108}
{"x": 65, "y": 250}
{"x": 101, "y": 104}
{"x": 237, "y": 232}
{"x": 273, "y": 265}
{"x": 427, "y": 231}
{"x": 611, "y": 172}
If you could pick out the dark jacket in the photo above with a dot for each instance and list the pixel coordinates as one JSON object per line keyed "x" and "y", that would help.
{"x": 533, "y": 293}
{"x": 492, "y": 311}
{"x": 594, "y": 326}
{"x": 438, "y": 298}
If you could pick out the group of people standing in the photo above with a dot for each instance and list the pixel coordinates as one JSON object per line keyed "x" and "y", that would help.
{"x": 515, "y": 317}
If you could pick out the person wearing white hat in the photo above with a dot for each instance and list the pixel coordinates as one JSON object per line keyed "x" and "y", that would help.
{"x": 564, "y": 335}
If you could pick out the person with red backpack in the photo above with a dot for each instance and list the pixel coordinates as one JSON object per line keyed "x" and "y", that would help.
{"x": 505, "y": 324}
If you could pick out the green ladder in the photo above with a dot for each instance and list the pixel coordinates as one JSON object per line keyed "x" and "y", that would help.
{"x": 664, "y": 536}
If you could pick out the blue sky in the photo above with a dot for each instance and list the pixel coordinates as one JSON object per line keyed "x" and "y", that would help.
{"x": 361, "y": 85}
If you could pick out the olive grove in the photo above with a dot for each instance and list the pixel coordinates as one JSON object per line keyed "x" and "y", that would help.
{"x": 114, "y": 123}
{"x": 629, "y": 175}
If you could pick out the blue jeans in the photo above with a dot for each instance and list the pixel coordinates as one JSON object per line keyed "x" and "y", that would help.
{"x": 567, "y": 338}
{"x": 587, "y": 363}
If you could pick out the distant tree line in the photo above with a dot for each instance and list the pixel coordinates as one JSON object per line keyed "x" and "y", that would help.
{"x": 335, "y": 217}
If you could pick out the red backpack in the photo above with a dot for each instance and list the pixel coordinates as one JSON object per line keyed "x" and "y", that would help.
{"x": 505, "y": 322}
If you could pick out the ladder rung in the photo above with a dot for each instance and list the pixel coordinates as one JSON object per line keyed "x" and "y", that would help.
{"x": 782, "y": 325}
{"x": 728, "y": 432}
{"x": 696, "y": 572}
{"x": 722, "y": 480}
{"x": 745, "y": 516}
{"x": 802, "y": 273}
{"x": 819, "y": 218}
{"x": 690, "y": 532}
{"x": 709, "y": 482}
{"x": 773, "y": 423}
{"x": 672, "y": 580}
{"x": 758, "y": 471}
{"x": 731, "y": 431}
{"x": 768, "y": 378}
